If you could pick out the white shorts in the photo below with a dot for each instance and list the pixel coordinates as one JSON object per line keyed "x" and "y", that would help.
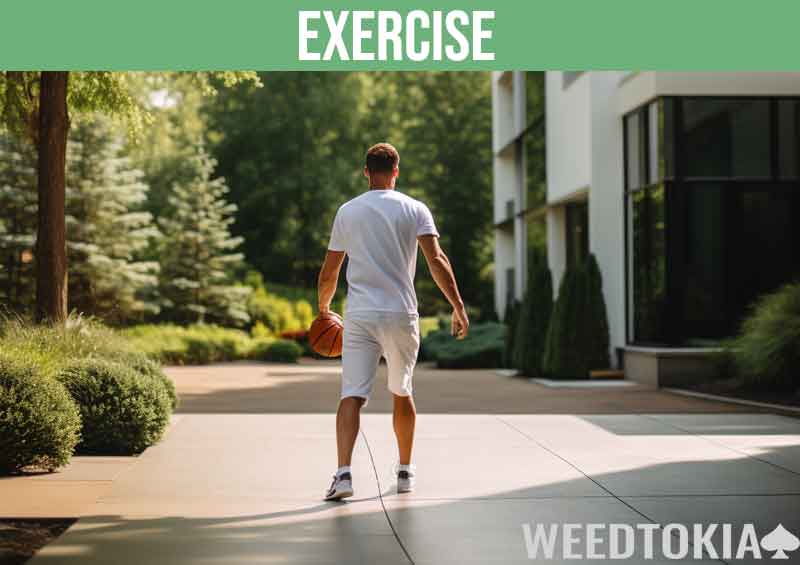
{"x": 370, "y": 335}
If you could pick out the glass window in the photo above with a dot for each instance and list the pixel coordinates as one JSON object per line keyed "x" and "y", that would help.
{"x": 648, "y": 266}
{"x": 726, "y": 137}
{"x": 535, "y": 179}
{"x": 633, "y": 155}
{"x": 577, "y": 226}
{"x": 788, "y": 138}
{"x": 534, "y": 97}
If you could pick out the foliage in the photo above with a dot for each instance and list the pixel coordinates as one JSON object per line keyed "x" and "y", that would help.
{"x": 577, "y": 338}
{"x": 510, "y": 319}
{"x": 196, "y": 344}
{"x": 534, "y": 318}
{"x": 107, "y": 229}
{"x": 428, "y": 324}
{"x": 562, "y": 348}
{"x": 482, "y": 348}
{"x": 120, "y": 411}
{"x": 594, "y": 329}
{"x": 277, "y": 350}
{"x": 39, "y": 421}
{"x": 197, "y": 252}
{"x": 767, "y": 351}
{"x": 18, "y": 216}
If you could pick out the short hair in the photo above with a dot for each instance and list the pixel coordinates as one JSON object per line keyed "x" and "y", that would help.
{"x": 382, "y": 158}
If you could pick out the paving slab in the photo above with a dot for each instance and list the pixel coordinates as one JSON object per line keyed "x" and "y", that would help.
{"x": 638, "y": 455}
{"x": 765, "y": 513}
{"x": 491, "y": 531}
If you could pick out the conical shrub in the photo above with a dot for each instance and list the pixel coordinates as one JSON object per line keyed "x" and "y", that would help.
{"x": 596, "y": 322}
{"x": 561, "y": 358}
{"x": 510, "y": 320}
{"x": 534, "y": 318}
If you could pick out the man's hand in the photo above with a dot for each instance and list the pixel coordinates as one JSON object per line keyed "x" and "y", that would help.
{"x": 328, "y": 277}
{"x": 460, "y": 324}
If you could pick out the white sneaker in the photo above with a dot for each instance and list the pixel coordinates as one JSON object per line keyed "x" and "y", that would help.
{"x": 341, "y": 487}
{"x": 406, "y": 480}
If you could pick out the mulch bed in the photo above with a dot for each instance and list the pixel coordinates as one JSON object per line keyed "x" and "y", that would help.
{"x": 737, "y": 389}
{"x": 21, "y": 538}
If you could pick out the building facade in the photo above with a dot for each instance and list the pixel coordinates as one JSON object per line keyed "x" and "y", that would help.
{"x": 685, "y": 186}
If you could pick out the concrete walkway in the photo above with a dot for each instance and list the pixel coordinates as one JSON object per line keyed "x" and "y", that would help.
{"x": 227, "y": 487}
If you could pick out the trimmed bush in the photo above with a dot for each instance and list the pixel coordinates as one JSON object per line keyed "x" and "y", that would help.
{"x": 577, "y": 338}
{"x": 278, "y": 350}
{"x": 510, "y": 319}
{"x": 150, "y": 369}
{"x": 122, "y": 412}
{"x": 767, "y": 352}
{"x": 534, "y": 318}
{"x": 482, "y": 348}
{"x": 191, "y": 345}
{"x": 39, "y": 423}
{"x": 595, "y": 326}
{"x": 560, "y": 350}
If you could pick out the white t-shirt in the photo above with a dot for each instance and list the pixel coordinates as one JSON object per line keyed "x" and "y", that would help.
{"x": 378, "y": 230}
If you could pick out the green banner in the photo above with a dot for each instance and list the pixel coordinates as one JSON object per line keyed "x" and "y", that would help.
{"x": 359, "y": 35}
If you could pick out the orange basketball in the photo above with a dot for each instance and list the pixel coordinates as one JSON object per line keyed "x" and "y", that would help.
{"x": 325, "y": 334}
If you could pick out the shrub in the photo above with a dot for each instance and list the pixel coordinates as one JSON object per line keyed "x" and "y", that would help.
{"x": 279, "y": 351}
{"x": 767, "y": 352}
{"x": 121, "y": 411}
{"x": 197, "y": 344}
{"x": 577, "y": 338}
{"x": 482, "y": 348}
{"x": 39, "y": 422}
{"x": 510, "y": 320}
{"x": 561, "y": 355}
{"x": 595, "y": 336}
{"x": 150, "y": 369}
{"x": 534, "y": 318}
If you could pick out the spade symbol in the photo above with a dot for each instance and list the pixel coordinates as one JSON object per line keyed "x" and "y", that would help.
{"x": 780, "y": 540}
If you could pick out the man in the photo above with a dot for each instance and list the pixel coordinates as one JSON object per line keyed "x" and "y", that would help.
{"x": 379, "y": 232}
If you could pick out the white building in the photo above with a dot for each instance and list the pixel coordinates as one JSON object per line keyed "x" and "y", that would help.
{"x": 685, "y": 186}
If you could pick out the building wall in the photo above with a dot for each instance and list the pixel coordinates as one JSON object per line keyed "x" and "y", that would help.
{"x": 568, "y": 135}
{"x": 606, "y": 212}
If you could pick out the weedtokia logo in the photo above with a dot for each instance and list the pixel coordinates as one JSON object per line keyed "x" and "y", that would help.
{"x": 655, "y": 541}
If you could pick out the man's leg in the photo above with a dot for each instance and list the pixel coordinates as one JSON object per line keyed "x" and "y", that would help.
{"x": 348, "y": 421}
{"x": 404, "y": 418}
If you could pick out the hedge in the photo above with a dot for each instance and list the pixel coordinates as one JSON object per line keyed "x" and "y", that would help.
{"x": 122, "y": 412}
{"x": 39, "y": 423}
{"x": 482, "y": 348}
{"x": 534, "y": 318}
{"x": 767, "y": 351}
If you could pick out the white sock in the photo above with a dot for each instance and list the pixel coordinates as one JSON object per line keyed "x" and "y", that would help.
{"x": 342, "y": 470}
{"x": 402, "y": 467}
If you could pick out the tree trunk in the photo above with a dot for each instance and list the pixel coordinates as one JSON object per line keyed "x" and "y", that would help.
{"x": 51, "y": 246}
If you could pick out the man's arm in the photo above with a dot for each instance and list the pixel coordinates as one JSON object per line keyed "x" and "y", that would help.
{"x": 328, "y": 278}
{"x": 445, "y": 279}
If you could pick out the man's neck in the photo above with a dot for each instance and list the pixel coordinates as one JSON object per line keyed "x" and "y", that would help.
{"x": 381, "y": 187}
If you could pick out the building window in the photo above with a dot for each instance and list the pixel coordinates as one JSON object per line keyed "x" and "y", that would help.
{"x": 577, "y": 236}
{"x": 712, "y": 207}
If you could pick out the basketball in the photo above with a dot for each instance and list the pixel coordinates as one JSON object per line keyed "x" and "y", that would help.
{"x": 325, "y": 334}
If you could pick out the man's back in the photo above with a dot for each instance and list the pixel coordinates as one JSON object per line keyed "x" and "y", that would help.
{"x": 378, "y": 231}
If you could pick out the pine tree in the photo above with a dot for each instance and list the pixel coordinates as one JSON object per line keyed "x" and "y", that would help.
{"x": 562, "y": 355}
{"x": 510, "y": 318}
{"x": 198, "y": 251}
{"x": 596, "y": 324}
{"x": 107, "y": 230}
{"x": 534, "y": 318}
{"x": 18, "y": 230}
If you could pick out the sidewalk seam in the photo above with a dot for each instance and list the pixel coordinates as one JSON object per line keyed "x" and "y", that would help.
{"x": 380, "y": 497}
{"x": 571, "y": 464}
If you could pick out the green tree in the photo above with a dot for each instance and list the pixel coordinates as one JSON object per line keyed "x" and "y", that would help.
{"x": 562, "y": 351}
{"x": 38, "y": 104}
{"x": 441, "y": 123}
{"x": 107, "y": 229}
{"x": 534, "y": 317}
{"x": 197, "y": 252}
{"x": 595, "y": 327}
{"x": 17, "y": 222}
{"x": 291, "y": 154}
